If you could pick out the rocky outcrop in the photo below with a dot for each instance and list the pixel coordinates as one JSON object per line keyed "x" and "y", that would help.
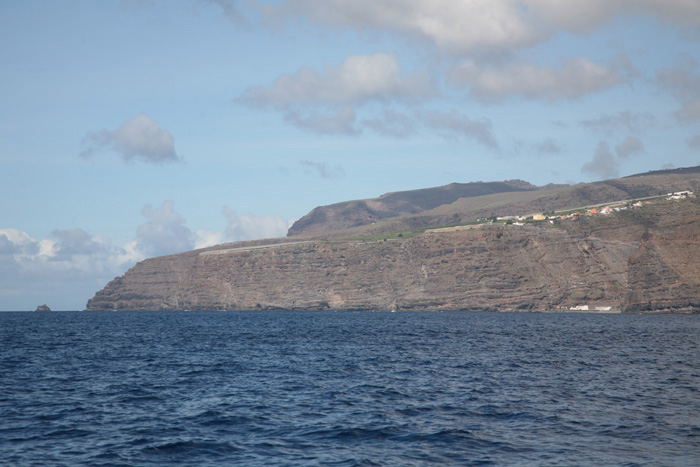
{"x": 628, "y": 261}
{"x": 43, "y": 308}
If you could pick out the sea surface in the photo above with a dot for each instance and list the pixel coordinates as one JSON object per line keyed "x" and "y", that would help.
{"x": 348, "y": 389}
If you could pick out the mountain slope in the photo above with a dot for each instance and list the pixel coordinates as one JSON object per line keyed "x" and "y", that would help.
{"x": 467, "y": 202}
{"x": 362, "y": 212}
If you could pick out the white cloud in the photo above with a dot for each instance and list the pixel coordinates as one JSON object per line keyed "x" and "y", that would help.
{"x": 457, "y": 27}
{"x": 548, "y": 146}
{"x": 17, "y": 243}
{"x": 694, "y": 142}
{"x": 206, "y": 238}
{"x": 544, "y": 147}
{"x": 251, "y": 227}
{"x": 66, "y": 268}
{"x": 635, "y": 122}
{"x": 470, "y": 27}
{"x": 322, "y": 169}
{"x": 689, "y": 112}
{"x": 455, "y": 124}
{"x": 326, "y": 102}
{"x": 603, "y": 163}
{"x": 339, "y": 121}
{"x": 76, "y": 242}
{"x": 231, "y": 11}
{"x": 140, "y": 138}
{"x": 576, "y": 78}
{"x": 359, "y": 79}
{"x": 585, "y": 15}
{"x": 164, "y": 233}
{"x": 392, "y": 123}
{"x": 450, "y": 124}
{"x": 683, "y": 82}
{"x": 630, "y": 146}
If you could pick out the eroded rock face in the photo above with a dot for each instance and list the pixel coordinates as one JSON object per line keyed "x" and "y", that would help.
{"x": 618, "y": 261}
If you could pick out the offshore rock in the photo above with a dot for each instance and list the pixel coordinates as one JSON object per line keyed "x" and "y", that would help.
{"x": 646, "y": 260}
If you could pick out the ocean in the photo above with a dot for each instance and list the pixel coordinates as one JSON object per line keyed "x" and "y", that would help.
{"x": 348, "y": 389}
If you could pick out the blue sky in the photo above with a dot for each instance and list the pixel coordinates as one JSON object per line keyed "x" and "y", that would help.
{"x": 131, "y": 129}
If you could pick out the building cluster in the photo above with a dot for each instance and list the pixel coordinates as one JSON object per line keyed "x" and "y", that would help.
{"x": 680, "y": 195}
{"x": 605, "y": 210}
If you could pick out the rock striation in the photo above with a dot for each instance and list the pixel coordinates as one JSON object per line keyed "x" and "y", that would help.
{"x": 641, "y": 260}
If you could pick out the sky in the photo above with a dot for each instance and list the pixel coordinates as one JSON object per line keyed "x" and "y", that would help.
{"x": 138, "y": 128}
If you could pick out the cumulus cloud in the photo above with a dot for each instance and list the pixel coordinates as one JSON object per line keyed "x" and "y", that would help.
{"x": 323, "y": 169}
{"x": 545, "y": 147}
{"x": 206, "y": 238}
{"x": 140, "y": 138}
{"x": 472, "y": 27}
{"x": 630, "y": 146}
{"x": 326, "y": 102}
{"x": 66, "y": 268}
{"x": 450, "y": 124}
{"x": 606, "y": 164}
{"x": 15, "y": 242}
{"x": 72, "y": 249}
{"x": 78, "y": 248}
{"x": 548, "y": 146}
{"x": 585, "y": 15}
{"x": 231, "y": 11}
{"x": 603, "y": 163}
{"x": 456, "y": 125}
{"x": 164, "y": 233}
{"x": 694, "y": 142}
{"x": 576, "y": 78}
{"x": 683, "y": 82}
{"x": 635, "y": 122}
{"x": 390, "y": 122}
{"x": 359, "y": 79}
{"x": 457, "y": 27}
{"x": 339, "y": 120}
{"x": 250, "y": 227}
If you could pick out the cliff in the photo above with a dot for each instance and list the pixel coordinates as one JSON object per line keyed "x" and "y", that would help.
{"x": 647, "y": 259}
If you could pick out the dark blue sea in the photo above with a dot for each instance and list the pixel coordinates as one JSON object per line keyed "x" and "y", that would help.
{"x": 348, "y": 389}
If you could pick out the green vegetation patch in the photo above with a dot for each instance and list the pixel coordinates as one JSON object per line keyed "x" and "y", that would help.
{"x": 402, "y": 234}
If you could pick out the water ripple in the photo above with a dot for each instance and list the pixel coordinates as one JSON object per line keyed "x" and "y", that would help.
{"x": 348, "y": 389}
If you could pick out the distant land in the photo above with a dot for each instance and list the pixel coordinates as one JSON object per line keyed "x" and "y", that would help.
{"x": 625, "y": 245}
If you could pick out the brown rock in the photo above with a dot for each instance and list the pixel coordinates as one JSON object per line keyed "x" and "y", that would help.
{"x": 622, "y": 261}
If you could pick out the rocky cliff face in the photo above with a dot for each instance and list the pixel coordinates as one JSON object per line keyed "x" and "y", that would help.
{"x": 646, "y": 260}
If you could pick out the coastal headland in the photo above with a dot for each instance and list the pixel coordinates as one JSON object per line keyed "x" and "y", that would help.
{"x": 625, "y": 245}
